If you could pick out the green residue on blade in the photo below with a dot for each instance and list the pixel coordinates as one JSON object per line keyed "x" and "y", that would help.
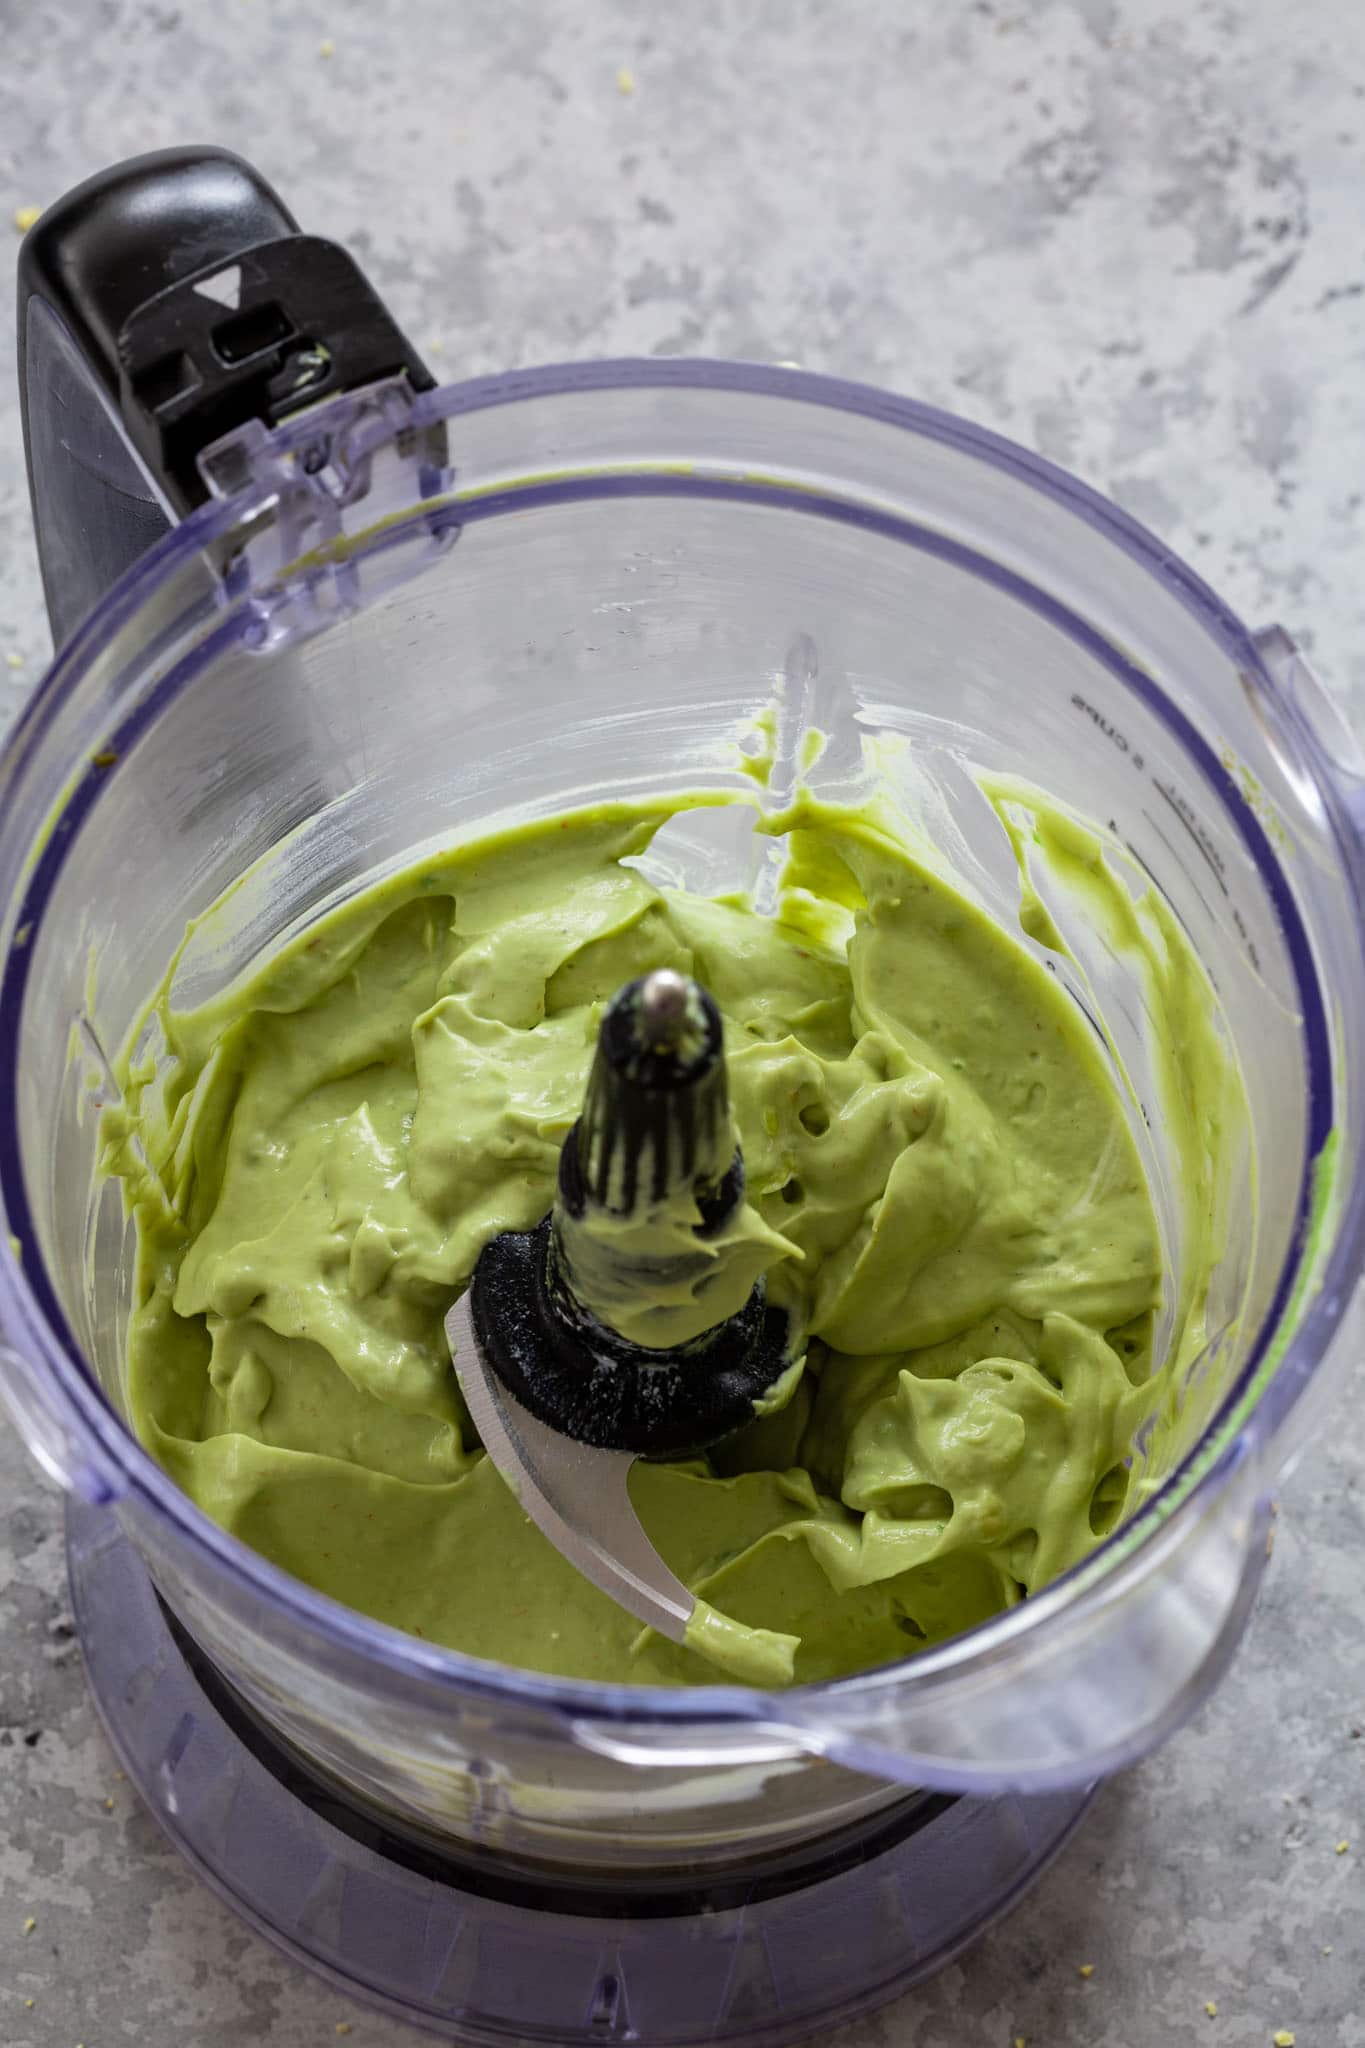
{"x": 758, "y": 1656}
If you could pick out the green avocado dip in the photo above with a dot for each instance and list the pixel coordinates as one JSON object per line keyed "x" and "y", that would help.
{"x": 942, "y": 1189}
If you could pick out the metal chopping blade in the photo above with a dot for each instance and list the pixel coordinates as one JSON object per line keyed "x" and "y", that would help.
{"x": 577, "y": 1496}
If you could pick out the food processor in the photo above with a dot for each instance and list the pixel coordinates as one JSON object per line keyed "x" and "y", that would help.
{"x": 313, "y": 615}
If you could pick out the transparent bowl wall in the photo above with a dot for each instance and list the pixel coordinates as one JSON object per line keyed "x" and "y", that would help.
{"x": 634, "y": 559}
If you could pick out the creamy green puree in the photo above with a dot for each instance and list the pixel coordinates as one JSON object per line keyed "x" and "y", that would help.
{"x": 942, "y": 1189}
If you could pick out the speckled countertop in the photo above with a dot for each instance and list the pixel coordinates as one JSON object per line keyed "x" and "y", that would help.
{"x": 1127, "y": 233}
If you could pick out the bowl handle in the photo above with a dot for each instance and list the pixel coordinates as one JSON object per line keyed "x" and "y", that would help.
{"x": 164, "y": 304}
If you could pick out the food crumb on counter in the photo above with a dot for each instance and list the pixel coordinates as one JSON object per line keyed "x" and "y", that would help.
{"x": 1284, "y": 2039}
{"x": 625, "y": 81}
{"x": 25, "y": 216}
{"x": 1085, "y": 1969}
{"x": 108, "y": 1805}
{"x": 327, "y": 48}
{"x": 1211, "y": 2008}
{"x": 15, "y": 661}
{"x": 343, "y": 2026}
{"x": 30, "y": 1924}
{"x": 1342, "y": 1847}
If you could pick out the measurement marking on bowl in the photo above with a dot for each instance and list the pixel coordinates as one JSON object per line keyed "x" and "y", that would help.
{"x": 1181, "y": 806}
{"x": 1110, "y": 731}
{"x": 1175, "y": 910}
{"x": 1249, "y": 944}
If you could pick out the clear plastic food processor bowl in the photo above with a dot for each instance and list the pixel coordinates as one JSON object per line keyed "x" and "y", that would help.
{"x": 338, "y": 660}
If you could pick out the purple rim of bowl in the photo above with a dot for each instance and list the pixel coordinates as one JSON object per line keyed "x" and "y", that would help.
{"x": 30, "y": 1312}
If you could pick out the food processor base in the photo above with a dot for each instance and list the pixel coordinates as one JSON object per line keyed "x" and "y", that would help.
{"x": 414, "y": 1930}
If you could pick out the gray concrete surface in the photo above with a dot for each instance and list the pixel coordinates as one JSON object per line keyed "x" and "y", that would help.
{"x": 1126, "y": 232}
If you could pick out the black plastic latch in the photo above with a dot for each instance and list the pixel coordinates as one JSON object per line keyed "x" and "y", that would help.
{"x": 276, "y": 328}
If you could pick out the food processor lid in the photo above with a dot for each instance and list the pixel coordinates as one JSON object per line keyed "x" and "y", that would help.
{"x": 256, "y": 460}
